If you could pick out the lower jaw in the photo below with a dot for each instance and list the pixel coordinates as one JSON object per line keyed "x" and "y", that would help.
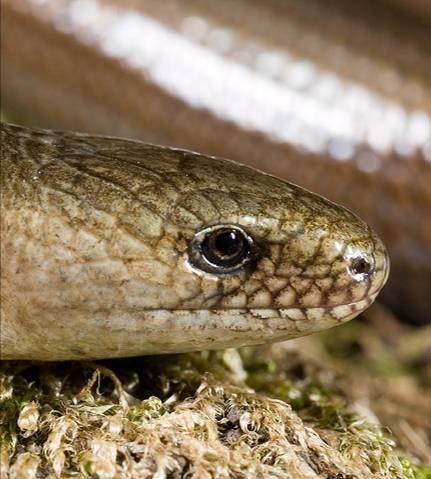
{"x": 73, "y": 334}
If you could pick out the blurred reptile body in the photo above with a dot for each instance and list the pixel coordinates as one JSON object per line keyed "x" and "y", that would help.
{"x": 332, "y": 95}
{"x": 113, "y": 247}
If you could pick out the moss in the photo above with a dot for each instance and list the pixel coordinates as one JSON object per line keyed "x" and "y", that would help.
{"x": 415, "y": 471}
{"x": 276, "y": 411}
{"x": 317, "y": 407}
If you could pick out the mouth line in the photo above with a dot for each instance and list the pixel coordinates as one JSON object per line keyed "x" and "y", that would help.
{"x": 326, "y": 308}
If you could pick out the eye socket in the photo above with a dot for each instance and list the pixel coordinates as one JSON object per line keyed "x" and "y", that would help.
{"x": 360, "y": 266}
{"x": 222, "y": 250}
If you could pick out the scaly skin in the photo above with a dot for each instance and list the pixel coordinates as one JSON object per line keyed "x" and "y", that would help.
{"x": 333, "y": 95}
{"x": 96, "y": 251}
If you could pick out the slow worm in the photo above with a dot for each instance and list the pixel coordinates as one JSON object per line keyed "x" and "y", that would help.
{"x": 114, "y": 247}
{"x": 329, "y": 94}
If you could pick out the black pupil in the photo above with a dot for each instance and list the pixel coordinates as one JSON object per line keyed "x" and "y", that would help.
{"x": 228, "y": 244}
{"x": 225, "y": 247}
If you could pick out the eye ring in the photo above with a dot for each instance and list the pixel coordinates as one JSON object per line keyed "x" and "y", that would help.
{"x": 223, "y": 250}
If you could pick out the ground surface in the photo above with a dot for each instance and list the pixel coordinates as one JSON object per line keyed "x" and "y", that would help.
{"x": 354, "y": 402}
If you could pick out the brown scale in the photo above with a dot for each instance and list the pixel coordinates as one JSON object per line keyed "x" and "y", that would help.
{"x": 59, "y": 80}
{"x": 90, "y": 259}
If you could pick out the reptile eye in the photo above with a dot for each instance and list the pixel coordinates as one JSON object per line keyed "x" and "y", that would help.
{"x": 225, "y": 247}
{"x": 360, "y": 266}
{"x": 222, "y": 250}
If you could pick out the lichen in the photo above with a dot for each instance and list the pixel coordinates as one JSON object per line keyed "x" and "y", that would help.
{"x": 285, "y": 410}
{"x": 310, "y": 408}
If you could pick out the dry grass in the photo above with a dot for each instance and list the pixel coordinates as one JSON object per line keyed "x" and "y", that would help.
{"x": 310, "y": 408}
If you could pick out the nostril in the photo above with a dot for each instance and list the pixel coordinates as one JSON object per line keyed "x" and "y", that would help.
{"x": 360, "y": 266}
